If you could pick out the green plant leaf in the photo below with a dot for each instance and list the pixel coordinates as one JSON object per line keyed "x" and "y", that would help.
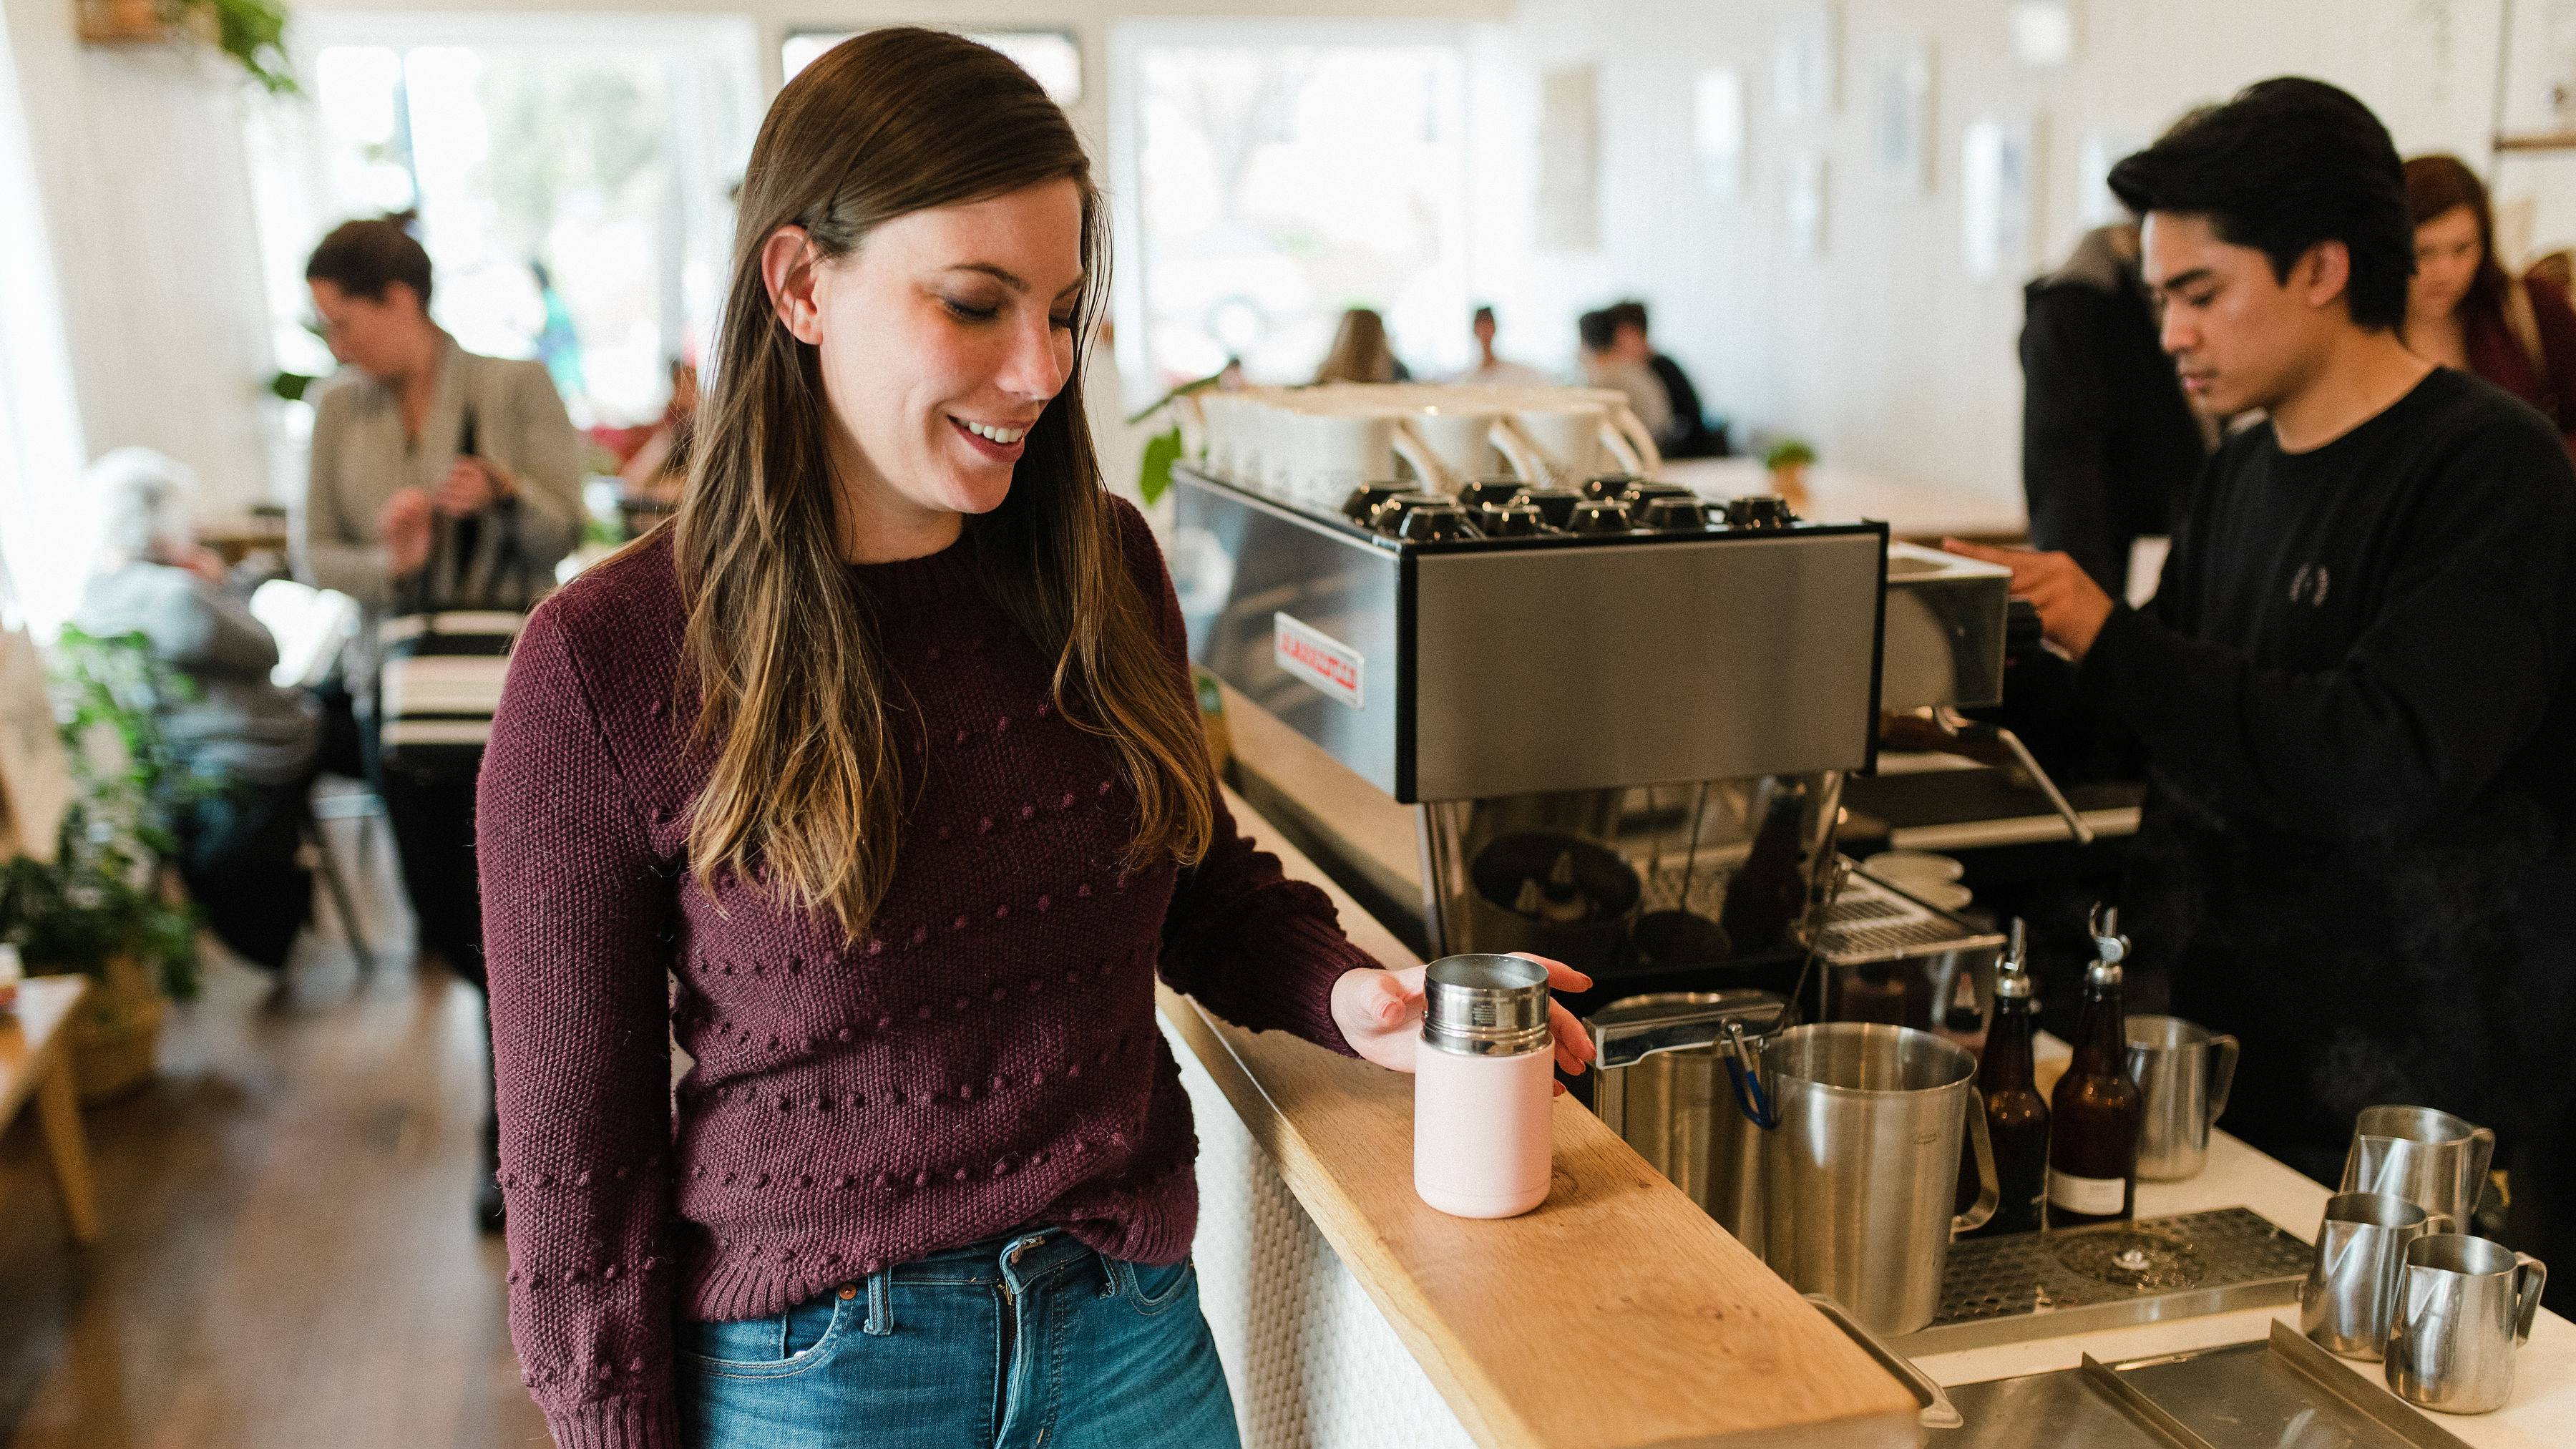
{"x": 1155, "y": 478}
{"x": 101, "y": 896}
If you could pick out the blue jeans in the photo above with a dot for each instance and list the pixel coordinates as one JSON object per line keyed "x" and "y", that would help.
{"x": 1027, "y": 1342}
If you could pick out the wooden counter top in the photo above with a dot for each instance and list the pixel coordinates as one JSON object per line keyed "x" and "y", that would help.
{"x": 1616, "y": 1316}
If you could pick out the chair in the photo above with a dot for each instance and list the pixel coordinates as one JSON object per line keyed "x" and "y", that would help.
{"x": 360, "y": 805}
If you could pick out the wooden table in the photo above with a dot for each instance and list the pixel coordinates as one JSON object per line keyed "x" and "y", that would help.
{"x": 36, "y": 1062}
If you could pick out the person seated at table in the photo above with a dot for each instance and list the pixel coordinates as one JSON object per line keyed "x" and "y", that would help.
{"x": 1613, "y": 363}
{"x": 1688, "y": 435}
{"x": 1360, "y": 351}
{"x": 250, "y": 745}
{"x": 2464, "y": 310}
{"x": 1491, "y": 369}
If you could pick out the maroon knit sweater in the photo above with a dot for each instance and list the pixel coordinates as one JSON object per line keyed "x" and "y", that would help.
{"x": 986, "y": 1058}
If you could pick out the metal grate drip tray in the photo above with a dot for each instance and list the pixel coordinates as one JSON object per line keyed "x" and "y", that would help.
{"x": 2044, "y": 1285}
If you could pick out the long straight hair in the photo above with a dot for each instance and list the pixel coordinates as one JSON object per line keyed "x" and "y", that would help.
{"x": 2437, "y": 183}
{"x": 806, "y": 792}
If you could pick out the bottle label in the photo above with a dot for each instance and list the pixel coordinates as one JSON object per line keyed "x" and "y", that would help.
{"x": 2094, "y": 1197}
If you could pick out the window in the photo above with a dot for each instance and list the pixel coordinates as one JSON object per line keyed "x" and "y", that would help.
{"x": 1270, "y": 177}
{"x": 1053, "y": 57}
{"x": 40, "y": 428}
{"x": 572, "y": 180}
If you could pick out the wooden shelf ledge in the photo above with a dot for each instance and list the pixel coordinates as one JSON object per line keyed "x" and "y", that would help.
{"x": 1616, "y": 1316}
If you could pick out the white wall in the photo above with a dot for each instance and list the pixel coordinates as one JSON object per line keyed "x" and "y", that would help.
{"x": 1883, "y": 350}
{"x": 143, "y": 191}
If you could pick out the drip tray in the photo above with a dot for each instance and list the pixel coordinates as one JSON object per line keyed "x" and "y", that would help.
{"x": 2284, "y": 1391}
{"x": 2045, "y": 1285}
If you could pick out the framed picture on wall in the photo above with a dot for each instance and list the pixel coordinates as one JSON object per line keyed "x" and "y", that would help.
{"x": 1717, "y": 129}
{"x": 1569, "y": 159}
{"x": 1805, "y": 204}
{"x": 1805, "y": 64}
{"x": 1901, "y": 122}
{"x": 1998, "y": 194}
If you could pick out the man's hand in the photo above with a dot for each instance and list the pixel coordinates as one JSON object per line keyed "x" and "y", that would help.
{"x": 2072, "y": 608}
{"x": 471, "y": 485}
{"x": 404, "y": 524}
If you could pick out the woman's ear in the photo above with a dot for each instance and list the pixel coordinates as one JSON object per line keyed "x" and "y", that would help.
{"x": 787, "y": 267}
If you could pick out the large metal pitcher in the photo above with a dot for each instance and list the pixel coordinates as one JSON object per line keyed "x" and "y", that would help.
{"x": 1660, "y": 1082}
{"x": 2432, "y": 1159}
{"x": 1863, "y": 1169}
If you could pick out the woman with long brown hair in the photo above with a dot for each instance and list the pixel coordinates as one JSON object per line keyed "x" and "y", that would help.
{"x": 1361, "y": 352}
{"x": 2463, "y": 310}
{"x": 875, "y": 779}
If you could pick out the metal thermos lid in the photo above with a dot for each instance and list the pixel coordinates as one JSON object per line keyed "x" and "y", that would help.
{"x": 1485, "y": 1005}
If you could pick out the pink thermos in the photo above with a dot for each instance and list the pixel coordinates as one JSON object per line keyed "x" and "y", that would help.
{"x": 1482, "y": 1087}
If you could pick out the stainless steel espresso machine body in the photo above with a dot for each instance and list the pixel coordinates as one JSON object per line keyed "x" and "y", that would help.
{"x": 1470, "y": 668}
{"x": 1622, "y": 749}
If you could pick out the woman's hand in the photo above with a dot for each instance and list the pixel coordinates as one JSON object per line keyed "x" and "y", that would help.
{"x": 404, "y": 525}
{"x": 1380, "y": 1014}
{"x": 472, "y": 485}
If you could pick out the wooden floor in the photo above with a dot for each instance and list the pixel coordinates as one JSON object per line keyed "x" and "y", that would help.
{"x": 290, "y": 1256}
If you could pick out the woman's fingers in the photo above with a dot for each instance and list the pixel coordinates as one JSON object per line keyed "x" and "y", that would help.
{"x": 1574, "y": 1049}
{"x": 1560, "y": 977}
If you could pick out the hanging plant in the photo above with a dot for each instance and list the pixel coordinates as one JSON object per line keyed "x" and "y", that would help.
{"x": 252, "y": 32}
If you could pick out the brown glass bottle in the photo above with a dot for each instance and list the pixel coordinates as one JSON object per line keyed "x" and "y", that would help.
{"x": 2096, "y": 1111}
{"x": 2016, "y": 1115}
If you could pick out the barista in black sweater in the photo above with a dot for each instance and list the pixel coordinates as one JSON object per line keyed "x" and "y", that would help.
{"x": 2349, "y": 684}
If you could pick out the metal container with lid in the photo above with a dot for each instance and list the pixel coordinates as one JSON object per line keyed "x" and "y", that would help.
{"x": 1485, "y": 1006}
{"x": 1482, "y": 1079}
{"x": 1660, "y": 1081}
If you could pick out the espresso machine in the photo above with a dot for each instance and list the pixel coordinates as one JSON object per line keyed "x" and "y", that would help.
{"x": 1617, "y": 738}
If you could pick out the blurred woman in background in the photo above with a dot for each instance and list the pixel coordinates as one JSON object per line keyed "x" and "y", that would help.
{"x": 2464, "y": 310}
{"x": 441, "y": 480}
{"x": 1360, "y": 352}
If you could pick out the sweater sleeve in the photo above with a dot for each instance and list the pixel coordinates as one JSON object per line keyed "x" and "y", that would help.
{"x": 575, "y": 919}
{"x": 2446, "y": 684}
{"x": 1253, "y": 946}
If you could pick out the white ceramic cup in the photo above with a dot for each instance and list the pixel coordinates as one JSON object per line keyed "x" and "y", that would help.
{"x": 1334, "y": 451}
{"x": 1460, "y": 442}
{"x": 1223, "y": 427}
{"x": 1627, "y": 440}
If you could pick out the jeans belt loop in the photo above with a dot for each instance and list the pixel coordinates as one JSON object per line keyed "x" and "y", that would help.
{"x": 880, "y": 1321}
